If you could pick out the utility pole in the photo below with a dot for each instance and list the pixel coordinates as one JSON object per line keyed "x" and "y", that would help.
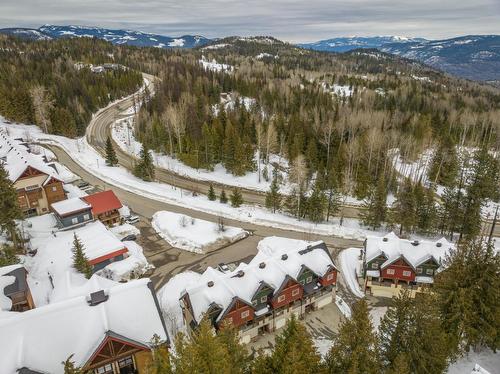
{"x": 493, "y": 224}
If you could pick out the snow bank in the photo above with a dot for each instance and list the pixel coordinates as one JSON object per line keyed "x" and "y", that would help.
{"x": 168, "y": 297}
{"x": 343, "y": 307}
{"x": 348, "y": 260}
{"x": 193, "y": 235}
{"x": 124, "y": 230}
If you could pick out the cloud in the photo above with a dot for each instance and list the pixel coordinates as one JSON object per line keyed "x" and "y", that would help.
{"x": 291, "y": 20}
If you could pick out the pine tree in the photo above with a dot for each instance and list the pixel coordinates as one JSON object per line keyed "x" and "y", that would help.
{"x": 354, "y": 347}
{"x": 236, "y": 198}
{"x": 239, "y": 358}
{"x": 426, "y": 211}
{"x": 211, "y": 193}
{"x": 273, "y": 196}
{"x": 8, "y": 256}
{"x": 160, "y": 363}
{"x": 316, "y": 205}
{"x": 444, "y": 164}
{"x": 9, "y": 206}
{"x": 71, "y": 368}
{"x": 403, "y": 212}
{"x": 468, "y": 293}
{"x": 145, "y": 168}
{"x": 294, "y": 353}
{"x": 80, "y": 261}
{"x": 375, "y": 206}
{"x": 111, "y": 159}
{"x": 411, "y": 329}
{"x": 223, "y": 197}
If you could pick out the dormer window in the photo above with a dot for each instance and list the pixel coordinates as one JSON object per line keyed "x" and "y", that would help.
{"x": 420, "y": 270}
{"x": 429, "y": 272}
{"x": 375, "y": 265}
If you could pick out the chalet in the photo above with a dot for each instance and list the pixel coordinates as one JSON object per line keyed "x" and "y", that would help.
{"x": 36, "y": 183}
{"x": 286, "y": 276}
{"x": 14, "y": 289}
{"x": 107, "y": 331}
{"x": 105, "y": 207}
{"x": 72, "y": 212}
{"x": 391, "y": 264}
{"x": 100, "y": 246}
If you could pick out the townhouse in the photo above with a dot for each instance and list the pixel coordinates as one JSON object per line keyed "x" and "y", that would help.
{"x": 391, "y": 264}
{"x": 286, "y": 277}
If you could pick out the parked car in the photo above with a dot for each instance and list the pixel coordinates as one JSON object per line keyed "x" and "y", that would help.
{"x": 82, "y": 185}
{"x": 223, "y": 267}
{"x": 130, "y": 238}
{"x": 132, "y": 219}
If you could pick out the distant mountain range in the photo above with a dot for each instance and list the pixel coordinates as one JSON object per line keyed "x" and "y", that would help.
{"x": 124, "y": 37}
{"x": 474, "y": 57}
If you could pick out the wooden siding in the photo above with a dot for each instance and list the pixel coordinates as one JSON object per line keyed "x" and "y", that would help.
{"x": 327, "y": 282}
{"x": 54, "y": 192}
{"x": 287, "y": 292}
{"x": 234, "y": 316}
{"x": 399, "y": 266}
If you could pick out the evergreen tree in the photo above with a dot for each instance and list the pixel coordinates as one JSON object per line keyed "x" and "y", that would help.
{"x": 444, "y": 164}
{"x": 316, "y": 204}
{"x": 239, "y": 358}
{"x": 9, "y": 206}
{"x": 71, "y": 368}
{"x": 223, "y": 197}
{"x": 145, "y": 168}
{"x": 8, "y": 256}
{"x": 426, "y": 211}
{"x": 160, "y": 363}
{"x": 403, "y": 212}
{"x": 273, "y": 196}
{"x": 411, "y": 329}
{"x": 293, "y": 353}
{"x": 211, "y": 193}
{"x": 354, "y": 347}
{"x": 468, "y": 293}
{"x": 236, "y": 198}
{"x": 111, "y": 159}
{"x": 375, "y": 206}
{"x": 80, "y": 261}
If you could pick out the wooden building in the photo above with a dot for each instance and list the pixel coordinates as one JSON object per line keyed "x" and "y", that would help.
{"x": 105, "y": 207}
{"x": 14, "y": 289}
{"x": 72, "y": 212}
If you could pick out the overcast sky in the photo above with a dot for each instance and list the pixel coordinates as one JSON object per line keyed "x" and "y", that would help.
{"x": 291, "y": 20}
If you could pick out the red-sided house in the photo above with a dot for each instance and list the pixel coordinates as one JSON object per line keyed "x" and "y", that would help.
{"x": 105, "y": 207}
{"x": 238, "y": 313}
{"x": 289, "y": 292}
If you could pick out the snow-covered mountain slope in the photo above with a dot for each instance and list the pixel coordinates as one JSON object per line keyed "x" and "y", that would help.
{"x": 474, "y": 57}
{"x": 32, "y": 34}
{"x": 124, "y": 37}
{"x": 345, "y": 44}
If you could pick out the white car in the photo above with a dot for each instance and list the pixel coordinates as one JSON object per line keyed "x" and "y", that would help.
{"x": 132, "y": 219}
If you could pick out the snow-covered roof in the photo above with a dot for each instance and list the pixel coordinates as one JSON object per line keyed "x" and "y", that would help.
{"x": 42, "y": 338}
{"x": 276, "y": 259}
{"x": 96, "y": 239}
{"x": 15, "y": 159}
{"x": 415, "y": 252}
{"x": 69, "y": 206}
{"x": 5, "y": 281}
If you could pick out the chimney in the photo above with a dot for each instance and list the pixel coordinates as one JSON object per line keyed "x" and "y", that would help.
{"x": 284, "y": 257}
{"x": 210, "y": 284}
{"x": 262, "y": 265}
{"x": 97, "y": 298}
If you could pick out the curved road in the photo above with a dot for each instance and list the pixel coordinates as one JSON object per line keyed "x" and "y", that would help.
{"x": 99, "y": 130}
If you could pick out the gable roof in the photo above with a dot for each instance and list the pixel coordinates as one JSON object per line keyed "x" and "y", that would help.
{"x": 413, "y": 252}
{"x": 277, "y": 260}
{"x": 15, "y": 159}
{"x": 103, "y": 202}
{"x": 39, "y": 339}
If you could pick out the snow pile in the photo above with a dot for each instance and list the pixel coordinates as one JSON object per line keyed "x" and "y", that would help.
{"x": 168, "y": 297}
{"x": 132, "y": 267}
{"x": 349, "y": 265}
{"x": 343, "y": 307}
{"x": 323, "y": 346}
{"x": 214, "y": 66}
{"x": 193, "y": 235}
{"x": 73, "y": 191}
{"x": 124, "y": 230}
{"x": 124, "y": 211}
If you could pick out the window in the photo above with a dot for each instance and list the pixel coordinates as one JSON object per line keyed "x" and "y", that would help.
{"x": 419, "y": 270}
{"x": 127, "y": 361}
{"x": 295, "y": 292}
{"x": 54, "y": 188}
{"x": 74, "y": 221}
{"x": 281, "y": 298}
{"x": 245, "y": 314}
{"x": 104, "y": 369}
{"x": 263, "y": 299}
{"x": 329, "y": 277}
{"x": 302, "y": 282}
{"x": 229, "y": 319}
{"x": 406, "y": 273}
{"x": 429, "y": 272}
{"x": 86, "y": 217}
{"x": 390, "y": 271}
{"x": 254, "y": 302}
{"x": 309, "y": 279}
{"x": 375, "y": 265}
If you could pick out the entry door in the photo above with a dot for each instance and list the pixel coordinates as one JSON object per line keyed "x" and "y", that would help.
{"x": 126, "y": 365}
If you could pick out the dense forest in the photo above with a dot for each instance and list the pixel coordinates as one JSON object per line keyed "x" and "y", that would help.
{"x": 42, "y": 83}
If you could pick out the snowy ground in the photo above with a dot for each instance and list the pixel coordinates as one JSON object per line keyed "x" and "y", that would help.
{"x": 215, "y": 66}
{"x": 349, "y": 265}
{"x": 193, "y": 235}
{"x": 486, "y": 359}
